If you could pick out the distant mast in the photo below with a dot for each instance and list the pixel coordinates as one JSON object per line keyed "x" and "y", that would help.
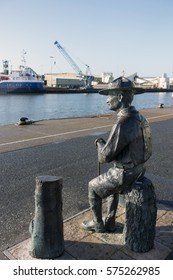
{"x": 23, "y": 59}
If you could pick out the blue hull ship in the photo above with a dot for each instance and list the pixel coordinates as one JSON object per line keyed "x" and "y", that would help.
{"x": 21, "y": 81}
{"x": 21, "y": 86}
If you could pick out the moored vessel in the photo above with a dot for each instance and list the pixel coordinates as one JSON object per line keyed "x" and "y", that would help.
{"x": 21, "y": 81}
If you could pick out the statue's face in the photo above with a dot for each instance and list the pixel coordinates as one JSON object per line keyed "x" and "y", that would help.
{"x": 114, "y": 102}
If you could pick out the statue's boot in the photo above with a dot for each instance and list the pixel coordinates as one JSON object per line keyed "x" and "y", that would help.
{"x": 97, "y": 223}
{"x": 112, "y": 204}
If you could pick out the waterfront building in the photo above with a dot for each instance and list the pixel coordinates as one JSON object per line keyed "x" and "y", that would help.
{"x": 107, "y": 77}
{"x": 72, "y": 80}
{"x": 164, "y": 81}
{"x": 153, "y": 82}
{"x": 69, "y": 80}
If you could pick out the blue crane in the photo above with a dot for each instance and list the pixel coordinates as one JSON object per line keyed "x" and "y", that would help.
{"x": 87, "y": 77}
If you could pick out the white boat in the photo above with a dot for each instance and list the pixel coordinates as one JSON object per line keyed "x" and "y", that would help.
{"x": 21, "y": 81}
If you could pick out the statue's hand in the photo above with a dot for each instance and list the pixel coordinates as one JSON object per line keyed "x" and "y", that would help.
{"x": 98, "y": 140}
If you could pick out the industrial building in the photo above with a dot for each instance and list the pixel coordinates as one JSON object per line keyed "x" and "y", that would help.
{"x": 67, "y": 80}
{"x": 72, "y": 80}
{"x": 153, "y": 82}
{"x": 107, "y": 77}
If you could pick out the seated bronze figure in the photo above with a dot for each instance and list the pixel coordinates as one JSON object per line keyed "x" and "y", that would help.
{"x": 128, "y": 146}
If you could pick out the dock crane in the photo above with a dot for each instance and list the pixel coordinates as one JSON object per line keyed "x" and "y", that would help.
{"x": 87, "y": 77}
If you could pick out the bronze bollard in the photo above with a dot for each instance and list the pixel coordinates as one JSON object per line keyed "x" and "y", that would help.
{"x": 140, "y": 218}
{"x": 47, "y": 226}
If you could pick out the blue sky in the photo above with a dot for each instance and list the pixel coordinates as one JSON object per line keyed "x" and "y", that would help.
{"x": 108, "y": 35}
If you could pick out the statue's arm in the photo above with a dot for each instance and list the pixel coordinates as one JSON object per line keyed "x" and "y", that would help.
{"x": 109, "y": 150}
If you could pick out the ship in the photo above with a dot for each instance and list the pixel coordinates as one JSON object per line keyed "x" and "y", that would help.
{"x": 24, "y": 80}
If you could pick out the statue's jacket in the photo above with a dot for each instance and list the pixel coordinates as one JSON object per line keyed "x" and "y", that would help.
{"x": 129, "y": 143}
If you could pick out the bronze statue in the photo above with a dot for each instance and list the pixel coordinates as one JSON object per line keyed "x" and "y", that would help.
{"x": 128, "y": 146}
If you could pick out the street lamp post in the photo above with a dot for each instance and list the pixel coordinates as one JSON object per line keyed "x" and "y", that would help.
{"x": 51, "y": 57}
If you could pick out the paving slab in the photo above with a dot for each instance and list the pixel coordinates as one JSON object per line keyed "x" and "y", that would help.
{"x": 84, "y": 245}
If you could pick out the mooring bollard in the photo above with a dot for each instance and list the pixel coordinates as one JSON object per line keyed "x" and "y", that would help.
{"x": 47, "y": 226}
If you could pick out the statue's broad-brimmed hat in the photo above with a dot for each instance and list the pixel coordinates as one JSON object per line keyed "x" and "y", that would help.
{"x": 121, "y": 85}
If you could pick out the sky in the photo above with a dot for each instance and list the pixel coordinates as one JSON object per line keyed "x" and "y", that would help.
{"x": 108, "y": 35}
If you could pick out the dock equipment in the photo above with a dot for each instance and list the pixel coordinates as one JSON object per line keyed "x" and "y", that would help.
{"x": 87, "y": 77}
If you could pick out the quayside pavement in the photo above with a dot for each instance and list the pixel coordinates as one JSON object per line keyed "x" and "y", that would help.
{"x": 15, "y": 137}
{"x": 46, "y": 131}
{"x": 80, "y": 244}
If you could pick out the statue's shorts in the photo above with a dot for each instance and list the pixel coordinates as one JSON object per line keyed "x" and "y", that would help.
{"x": 114, "y": 181}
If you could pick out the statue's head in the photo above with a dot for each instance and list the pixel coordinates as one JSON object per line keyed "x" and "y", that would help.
{"x": 120, "y": 93}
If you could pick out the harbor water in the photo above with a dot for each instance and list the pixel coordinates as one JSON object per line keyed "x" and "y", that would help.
{"x": 55, "y": 106}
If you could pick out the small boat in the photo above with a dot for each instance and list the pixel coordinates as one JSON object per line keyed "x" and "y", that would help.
{"x": 21, "y": 81}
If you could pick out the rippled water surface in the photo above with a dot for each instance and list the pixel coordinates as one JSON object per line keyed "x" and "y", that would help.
{"x": 54, "y": 106}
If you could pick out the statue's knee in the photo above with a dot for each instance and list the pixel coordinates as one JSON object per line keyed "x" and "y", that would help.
{"x": 90, "y": 190}
{"x": 91, "y": 183}
{"x": 91, "y": 186}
